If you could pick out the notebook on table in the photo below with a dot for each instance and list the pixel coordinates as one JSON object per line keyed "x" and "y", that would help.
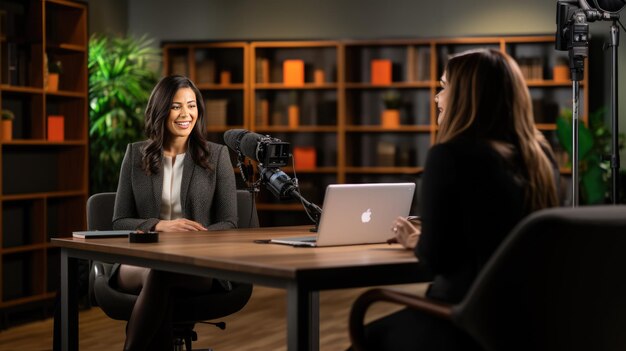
{"x": 357, "y": 214}
{"x": 92, "y": 234}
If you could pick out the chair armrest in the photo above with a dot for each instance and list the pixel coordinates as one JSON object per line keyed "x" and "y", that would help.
{"x": 363, "y": 302}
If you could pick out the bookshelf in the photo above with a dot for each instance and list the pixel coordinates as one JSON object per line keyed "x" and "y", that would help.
{"x": 43, "y": 170}
{"x": 341, "y": 90}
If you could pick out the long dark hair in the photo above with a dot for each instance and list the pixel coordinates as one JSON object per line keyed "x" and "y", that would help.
{"x": 488, "y": 99}
{"x": 156, "y": 115}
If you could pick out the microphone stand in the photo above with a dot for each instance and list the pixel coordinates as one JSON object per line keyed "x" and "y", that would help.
{"x": 315, "y": 210}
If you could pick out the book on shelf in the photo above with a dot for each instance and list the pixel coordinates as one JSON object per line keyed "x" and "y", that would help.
{"x": 531, "y": 67}
{"x": 11, "y": 73}
{"x": 179, "y": 65}
{"x": 205, "y": 71}
{"x": 381, "y": 71}
{"x": 262, "y": 112}
{"x": 216, "y": 112}
{"x": 386, "y": 153}
{"x": 293, "y": 72}
{"x": 278, "y": 118}
{"x": 422, "y": 64}
{"x": 418, "y": 64}
{"x": 262, "y": 70}
{"x": 411, "y": 64}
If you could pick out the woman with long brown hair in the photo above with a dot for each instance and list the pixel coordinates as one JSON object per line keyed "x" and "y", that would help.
{"x": 489, "y": 168}
{"x": 175, "y": 181}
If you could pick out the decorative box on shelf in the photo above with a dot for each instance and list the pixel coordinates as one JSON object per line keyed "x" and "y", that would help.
{"x": 56, "y": 128}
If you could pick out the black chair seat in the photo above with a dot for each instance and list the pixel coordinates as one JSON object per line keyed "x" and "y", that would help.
{"x": 188, "y": 309}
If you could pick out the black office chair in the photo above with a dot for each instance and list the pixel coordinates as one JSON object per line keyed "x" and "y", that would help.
{"x": 188, "y": 310}
{"x": 556, "y": 283}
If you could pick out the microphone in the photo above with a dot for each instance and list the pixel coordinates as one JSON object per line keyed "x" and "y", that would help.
{"x": 268, "y": 151}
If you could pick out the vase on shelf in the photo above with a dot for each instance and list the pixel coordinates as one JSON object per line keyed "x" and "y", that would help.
{"x": 390, "y": 118}
{"x": 294, "y": 116}
{"x": 7, "y": 130}
{"x": 53, "y": 82}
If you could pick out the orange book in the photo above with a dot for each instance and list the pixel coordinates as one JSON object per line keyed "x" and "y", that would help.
{"x": 381, "y": 72}
{"x": 293, "y": 72}
{"x": 304, "y": 157}
{"x": 56, "y": 128}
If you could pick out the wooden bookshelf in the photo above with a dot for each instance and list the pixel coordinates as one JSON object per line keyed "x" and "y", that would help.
{"x": 43, "y": 184}
{"x": 340, "y": 110}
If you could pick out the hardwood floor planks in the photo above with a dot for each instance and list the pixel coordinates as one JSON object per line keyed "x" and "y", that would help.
{"x": 261, "y": 325}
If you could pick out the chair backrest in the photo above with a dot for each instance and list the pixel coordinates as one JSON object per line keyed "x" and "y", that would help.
{"x": 246, "y": 210}
{"x": 556, "y": 283}
{"x": 100, "y": 211}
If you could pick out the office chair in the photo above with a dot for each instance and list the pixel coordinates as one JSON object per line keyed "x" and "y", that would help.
{"x": 556, "y": 283}
{"x": 187, "y": 310}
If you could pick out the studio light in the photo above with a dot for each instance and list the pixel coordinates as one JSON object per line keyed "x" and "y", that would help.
{"x": 612, "y": 6}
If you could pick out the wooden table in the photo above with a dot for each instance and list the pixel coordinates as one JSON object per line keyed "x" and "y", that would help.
{"x": 233, "y": 255}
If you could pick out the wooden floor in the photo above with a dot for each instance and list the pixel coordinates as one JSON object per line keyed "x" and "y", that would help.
{"x": 260, "y": 325}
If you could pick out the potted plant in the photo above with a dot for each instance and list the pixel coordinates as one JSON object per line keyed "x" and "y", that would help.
{"x": 7, "y": 125}
{"x": 594, "y": 142}
{"x": 122, "y": 73}
{"x": 390, "y": 117}
{"x": 55, "y": 68}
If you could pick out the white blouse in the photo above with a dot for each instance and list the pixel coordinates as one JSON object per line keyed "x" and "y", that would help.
{"x": 172, "y": 179}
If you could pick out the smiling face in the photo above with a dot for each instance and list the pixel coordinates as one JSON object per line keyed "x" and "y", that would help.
{"x": 440, "y": 98}
{"x": 183, "y": 114}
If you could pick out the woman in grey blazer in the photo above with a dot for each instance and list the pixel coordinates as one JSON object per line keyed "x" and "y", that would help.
{"x": 173, "y": 182}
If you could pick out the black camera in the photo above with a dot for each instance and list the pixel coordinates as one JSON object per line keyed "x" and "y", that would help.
{"x": 273, "y": 153}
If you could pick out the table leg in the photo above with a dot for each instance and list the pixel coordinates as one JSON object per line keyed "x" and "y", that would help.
{"x": 69, "y": 302}
{"x": 303, "y": 319}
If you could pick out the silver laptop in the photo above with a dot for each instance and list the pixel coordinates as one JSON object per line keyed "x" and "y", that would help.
{"x": 358, "y": 214}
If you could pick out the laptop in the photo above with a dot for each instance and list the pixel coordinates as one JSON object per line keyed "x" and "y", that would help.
{"x": 357, "y": 214}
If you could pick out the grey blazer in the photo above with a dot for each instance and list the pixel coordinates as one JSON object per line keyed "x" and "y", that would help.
{"x": 207, "y": 196}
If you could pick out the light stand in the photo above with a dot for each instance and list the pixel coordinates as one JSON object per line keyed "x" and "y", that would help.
{"x": 615, "y": 164}
{"x": 573, "y": 36}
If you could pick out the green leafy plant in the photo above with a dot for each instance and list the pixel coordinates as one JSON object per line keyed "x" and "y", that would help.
{"x": 392, "y": 100}
{"x": 122, "y": 73}
{"x": 7, "y": 115}
{"x": 593, "y": 143}
{"x": 55, "y": 67}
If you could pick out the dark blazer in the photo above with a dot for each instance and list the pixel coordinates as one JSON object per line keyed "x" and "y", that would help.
{"x": 207, "y": 196}
{"x": 472, "y": 197}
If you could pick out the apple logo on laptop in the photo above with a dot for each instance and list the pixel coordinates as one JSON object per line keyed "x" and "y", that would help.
{"x": 366, "y": 216}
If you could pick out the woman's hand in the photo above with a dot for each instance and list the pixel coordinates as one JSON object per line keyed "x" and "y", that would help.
{"x": 178, "y": 225}
{"x": 407, "y": 232}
